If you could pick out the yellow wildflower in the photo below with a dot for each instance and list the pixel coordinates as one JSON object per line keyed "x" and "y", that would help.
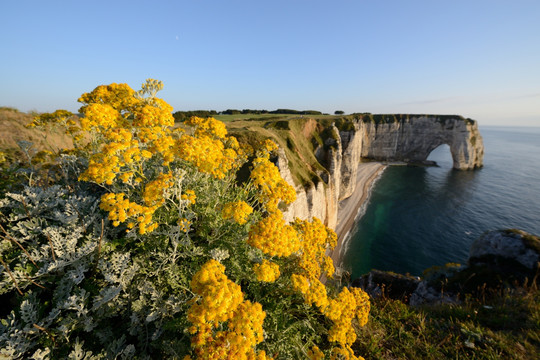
{"x": 267, "y": 271}
{"x": 273, "y": 236}
{"x": 272, "y": 187}
{"x": 221, "y": 300}
{"x": 238, "y": 210}
{"x": 315, "y": 353}
{"x": 189, "y": 196}
{"x": 316, "y": 239}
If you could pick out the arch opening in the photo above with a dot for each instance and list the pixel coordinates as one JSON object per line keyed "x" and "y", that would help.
{"x": 442, "y": 155}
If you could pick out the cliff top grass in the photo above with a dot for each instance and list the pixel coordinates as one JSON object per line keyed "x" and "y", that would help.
{"x": 393, "y": 118}
{"x": 294, "y": 134}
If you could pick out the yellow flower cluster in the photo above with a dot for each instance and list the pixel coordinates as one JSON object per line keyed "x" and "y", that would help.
{"x": 156, "y": 114}
{"x": 184, "y": 225}
{"x": 266, "y": 148}
{"x": 267, "y": 271}
{"x": 120, "y": 209}
{"x": 315, "y": 353}
{"x": 120, "y": 151}
{"x": 220, "y": 300}
{"x": 100, "y": 117}
{"x": 271, "y": 185}
{"x": 59, "y": 117}
{"x": 218, "y": 297}
{"x": 269, "y": 145}
{"x": 312, "y": 289}
{"x": 209, "y": 155}
{"x": 316, "y": 239}
{"x": 190, "y": 196}
{"x": 153, "y": 191}
{"x": 119, "y": 96}
{"x": 128, "y": 130}
{"x": 342, "y": 311}
{"x": 273, "y": 237}
{"x": 239, "y": 211}
{"x": 362, "y": 305}
{"x": 207, "y": 127}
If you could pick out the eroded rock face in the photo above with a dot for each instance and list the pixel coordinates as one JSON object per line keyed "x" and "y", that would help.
{"x": 499, "y": 246}
{"x": 318, "y": 201}
{"x": 413, "y": 139}
{"x": 351, "y": 144}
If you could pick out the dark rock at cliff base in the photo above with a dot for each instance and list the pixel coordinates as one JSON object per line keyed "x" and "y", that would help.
{"x": 424, "y": 163}
{"x": 500, "y": 258}
{"x": 497, "y": 259}
{"x": 508, "y": 248}
{"x": 382, "y": 283}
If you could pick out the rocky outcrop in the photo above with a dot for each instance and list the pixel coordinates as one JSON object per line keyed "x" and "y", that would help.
{"x": 501, "y": 258}
{"x": 383, "y": 283}
{"x": 409, "y": 138}
{"x": 506, "y": 246}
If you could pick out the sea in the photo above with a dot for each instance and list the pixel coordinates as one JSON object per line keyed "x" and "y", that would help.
{"x": 419, "y": 217}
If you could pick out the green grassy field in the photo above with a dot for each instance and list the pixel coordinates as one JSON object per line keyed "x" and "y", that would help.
{"x": 256, "y": 117}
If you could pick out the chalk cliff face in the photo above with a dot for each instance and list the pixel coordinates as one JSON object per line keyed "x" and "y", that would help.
{"x": 319, "y": 200}
{"x": 413, "y": 139}
{"x": 408, "y": 139}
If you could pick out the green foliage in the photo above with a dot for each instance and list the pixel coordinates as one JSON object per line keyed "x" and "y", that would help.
{"x": 394, "y": 118}
{"x": 78, "y": 284}
{"x": 502, "y": 324}
{"x": 181, "y": 116}
{"x": 88, "y": 287}
{"x": 344, "y": 124}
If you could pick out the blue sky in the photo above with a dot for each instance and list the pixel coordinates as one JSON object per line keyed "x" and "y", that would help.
{"x": 479, "y": 59}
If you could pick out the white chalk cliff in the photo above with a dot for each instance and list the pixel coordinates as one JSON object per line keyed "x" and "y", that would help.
{"x": 407, "y": 138}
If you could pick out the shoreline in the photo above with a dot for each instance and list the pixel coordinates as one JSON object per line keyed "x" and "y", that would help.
{"x": 350, "y": 208}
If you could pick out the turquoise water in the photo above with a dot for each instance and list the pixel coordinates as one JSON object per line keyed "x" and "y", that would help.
{"x": 420, "y": 217}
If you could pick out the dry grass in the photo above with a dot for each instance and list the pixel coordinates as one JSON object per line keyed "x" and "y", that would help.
{"x": 13, "y": 130}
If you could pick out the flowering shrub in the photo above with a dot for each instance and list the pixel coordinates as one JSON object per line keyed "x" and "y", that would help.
{"x": 147, "y": 246}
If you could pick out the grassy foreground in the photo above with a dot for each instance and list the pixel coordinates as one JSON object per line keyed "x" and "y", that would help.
{"x": 496, "y": 325}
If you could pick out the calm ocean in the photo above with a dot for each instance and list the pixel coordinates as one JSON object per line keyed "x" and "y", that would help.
{"x": 420, "y": 217}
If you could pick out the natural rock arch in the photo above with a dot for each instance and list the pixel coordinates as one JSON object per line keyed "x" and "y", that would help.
{"x": 413, "y": 138}
{"x": 440, "y": 154}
